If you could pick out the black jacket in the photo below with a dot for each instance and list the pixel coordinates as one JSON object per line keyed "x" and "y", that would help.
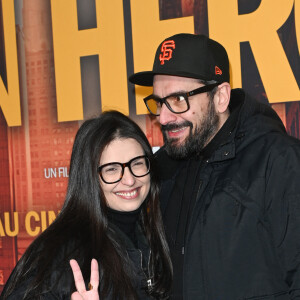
{"x": 139, "y": 255}
{"x": 243, "y": 238}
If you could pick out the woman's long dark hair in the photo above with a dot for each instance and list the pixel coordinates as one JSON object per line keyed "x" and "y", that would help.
{"x": 81, "y": 231}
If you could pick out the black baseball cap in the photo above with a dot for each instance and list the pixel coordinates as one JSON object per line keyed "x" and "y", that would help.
{"x": 187, "y": 55}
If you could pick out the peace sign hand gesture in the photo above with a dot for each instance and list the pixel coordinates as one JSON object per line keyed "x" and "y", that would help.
{"x": 82, "y": 293}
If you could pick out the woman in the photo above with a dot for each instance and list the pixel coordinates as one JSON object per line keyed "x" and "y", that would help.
{"x": 111, "y": 213}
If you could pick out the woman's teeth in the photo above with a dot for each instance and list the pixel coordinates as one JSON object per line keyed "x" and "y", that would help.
{"x": 128, "y": 194}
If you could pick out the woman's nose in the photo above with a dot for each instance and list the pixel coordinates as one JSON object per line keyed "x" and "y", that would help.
{"x": 128, "y": 178}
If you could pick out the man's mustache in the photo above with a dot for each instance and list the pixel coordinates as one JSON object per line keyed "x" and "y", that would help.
{"x": 175, "y": 126}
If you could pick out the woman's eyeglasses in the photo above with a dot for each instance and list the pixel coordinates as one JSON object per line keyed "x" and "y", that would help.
{"x": 113, "y": 172}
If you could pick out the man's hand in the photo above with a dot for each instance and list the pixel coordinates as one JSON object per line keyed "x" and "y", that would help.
{"x": 82, "y": 293}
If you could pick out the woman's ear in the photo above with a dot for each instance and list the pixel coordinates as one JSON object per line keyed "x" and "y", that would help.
{"x": 222, "y": 98}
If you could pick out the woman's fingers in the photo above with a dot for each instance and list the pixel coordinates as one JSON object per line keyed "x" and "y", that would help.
{"x": 79, "y": 282}
{"x": 82, "y": 293}
{"x": 94, "y": 280}
{"x": 76, "y": 296}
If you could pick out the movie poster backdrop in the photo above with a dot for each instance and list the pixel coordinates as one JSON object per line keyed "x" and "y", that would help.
{"x": 64, "y": 61}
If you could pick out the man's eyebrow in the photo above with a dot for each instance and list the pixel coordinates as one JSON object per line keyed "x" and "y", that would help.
{"x": 172, "y": 94}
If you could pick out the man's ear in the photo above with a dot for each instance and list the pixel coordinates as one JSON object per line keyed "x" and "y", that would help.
{"x": 222, "y": 97}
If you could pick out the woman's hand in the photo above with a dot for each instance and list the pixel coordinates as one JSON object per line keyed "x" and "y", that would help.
{"x": 82, "y": 293}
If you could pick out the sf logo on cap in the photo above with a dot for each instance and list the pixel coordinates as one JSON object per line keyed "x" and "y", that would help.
{"x": 167, "y": 50}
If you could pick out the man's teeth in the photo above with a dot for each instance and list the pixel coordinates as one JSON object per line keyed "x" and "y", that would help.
{"x": 129, "y": 194}
{"x": 179, "y": 129}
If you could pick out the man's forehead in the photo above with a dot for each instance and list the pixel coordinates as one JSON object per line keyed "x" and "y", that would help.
{"x": 168, "y": 84}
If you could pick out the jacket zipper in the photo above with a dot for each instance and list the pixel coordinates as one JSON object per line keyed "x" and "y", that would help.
{"x": 184, "y": 248}
{"x": 148, "y": 278}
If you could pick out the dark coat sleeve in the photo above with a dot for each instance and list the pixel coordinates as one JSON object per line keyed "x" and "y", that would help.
{"x": 282, "y": 209}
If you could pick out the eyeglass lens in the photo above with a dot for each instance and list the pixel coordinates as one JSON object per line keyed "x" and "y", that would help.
{"x": 176, "y": 104}
{"x": 113, "y": 172}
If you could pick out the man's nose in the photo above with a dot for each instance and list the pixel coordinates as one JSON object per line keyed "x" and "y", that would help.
{"x": 128, "y": 178}
{"x": 166, "y": 116}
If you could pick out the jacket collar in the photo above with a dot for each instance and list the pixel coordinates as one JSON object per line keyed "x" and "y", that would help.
{"x": 222, "y": 146}
{"x": 142, "y": 242}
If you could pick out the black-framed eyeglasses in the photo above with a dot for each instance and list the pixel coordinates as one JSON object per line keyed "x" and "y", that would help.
{"x": 177, "y": 103}
{"x": 113, "y": 172}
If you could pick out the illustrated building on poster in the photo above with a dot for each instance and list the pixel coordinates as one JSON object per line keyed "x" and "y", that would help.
{"x": 7, "y": 243}
{"x": 38, "y": 151}
{"x": 280, "y": 109}
{"x": 293, "y": 119}
{"x": 170, "y": 9}
{"x": 201, "y": 17}
{"x": 153, "y": 132}
{"x": 48, "y": 142}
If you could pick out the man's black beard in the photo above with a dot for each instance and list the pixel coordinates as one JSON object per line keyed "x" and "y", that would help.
{"x": 194, "y": 142}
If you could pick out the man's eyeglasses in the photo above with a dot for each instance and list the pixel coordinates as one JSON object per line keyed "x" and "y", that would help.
{"x": 113, "y": 172}
{"x": 177, "y": 103}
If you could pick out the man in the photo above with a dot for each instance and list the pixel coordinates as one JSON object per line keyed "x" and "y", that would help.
{"x": 230, "y": 192}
